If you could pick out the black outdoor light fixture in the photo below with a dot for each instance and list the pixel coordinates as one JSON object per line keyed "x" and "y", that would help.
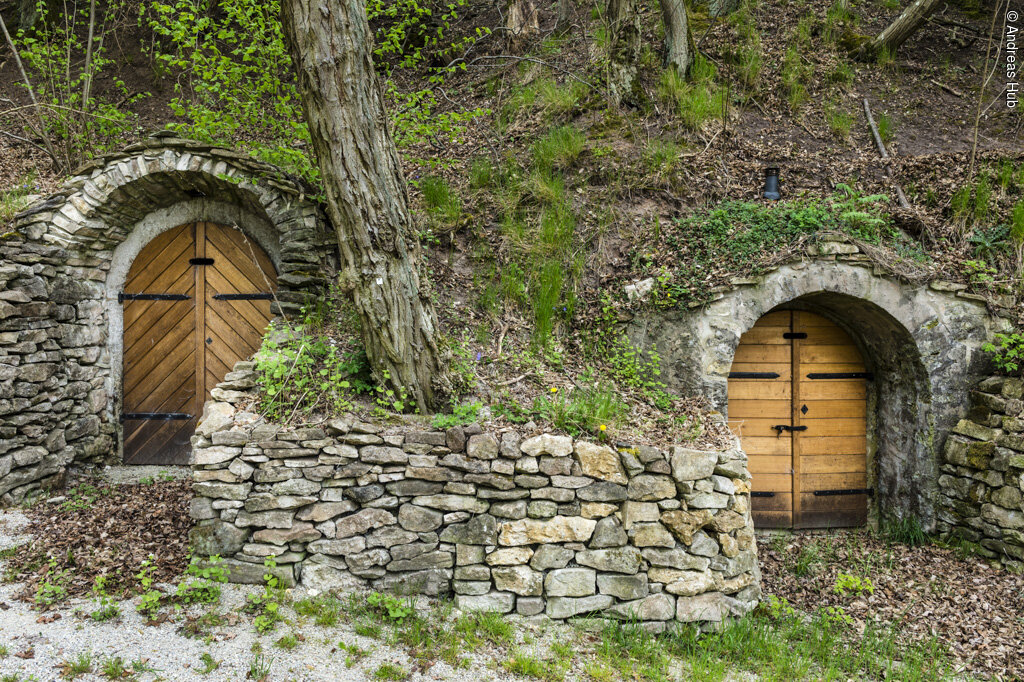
{"x": 771, "y": 182}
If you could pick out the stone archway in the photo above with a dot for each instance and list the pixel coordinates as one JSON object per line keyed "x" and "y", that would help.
{"x": 923, "y": 345}
{"x": 76, "y": 248}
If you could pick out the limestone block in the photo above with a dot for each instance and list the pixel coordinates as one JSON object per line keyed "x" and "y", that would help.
{"x": 554, "y": 530}
{"x": 498, "y": 602}
{"x": 623, "y": 586}
{"x": 601, "y": 462}
{"x": 653, "y": 607}
{"x": 651, "y": 487}
{"x": 570, "y": 582}
{"x": 482, "y": 446}
{"x": 547, "y": 444}
{"x": 362, "y": 521}
{"x": 452, "y": 503}
{"x": 521, "y": 580}
{"x": 684, "y": 524}
{"x": 692, "y": 465}
{"x": 608, "y": 533}
{"x": 567, "y": 607}
{"x": 651, "y": 535}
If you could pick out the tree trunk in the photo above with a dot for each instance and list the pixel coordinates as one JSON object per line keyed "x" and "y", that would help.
{"x": 367, "y": 202}
{"x": 521, "y": 21}
{"x": 624, "y": 46}
{"x": 679, "y": 47}
{"x": 896, "y": 33}
{"x": 564, "y": 16}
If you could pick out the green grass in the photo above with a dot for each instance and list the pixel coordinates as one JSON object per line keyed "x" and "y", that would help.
{"x": 80, "y": 665}
{"x": 906, "y": 530}
{"x": 13, "y": 200}
{"x": 390, "y": 671}
{"x": 528, "y": 665}
{"x": 114, "y": 668}
{"x": 697, "y": 99}
{"x": 583, "y": 410}
{"x": 886, "y": 127}
{"x": 287, "y": 642}
{"x": 839, "y": 121}
{"x": 441, "y": 201}
{"x": 662, "y": 156}
{"x": 559, "y": 148}
{"x": 842, "y": 74}
{"x": 260, "y": 667}
{"x": 209, "y": 663}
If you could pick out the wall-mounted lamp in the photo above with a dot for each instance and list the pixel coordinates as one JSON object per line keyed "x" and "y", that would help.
{"x": 771, "y": 183}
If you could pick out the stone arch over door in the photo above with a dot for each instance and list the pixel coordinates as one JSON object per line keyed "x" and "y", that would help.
{"x": 105, "y": 215}
{"x": 923, "y": 346}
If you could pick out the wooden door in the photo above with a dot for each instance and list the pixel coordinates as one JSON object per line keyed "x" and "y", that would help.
{"x": 798, "y": 402}
{"x": 196, "y": 301}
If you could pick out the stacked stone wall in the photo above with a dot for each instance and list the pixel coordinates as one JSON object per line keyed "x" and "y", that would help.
{"x": 51, "y": 382}
{"x": 507, "y": 521}
{"x": 982, "y": 480}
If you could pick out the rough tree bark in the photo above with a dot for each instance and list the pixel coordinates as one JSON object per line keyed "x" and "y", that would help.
{"x": 679, "y": 46}
{"x": 624, "y": 47}
{"x": 367, "y": 200}
{"x": 564, "y": 16}
{"x": 896, "y": 33}
{"x": 521, "y": 20}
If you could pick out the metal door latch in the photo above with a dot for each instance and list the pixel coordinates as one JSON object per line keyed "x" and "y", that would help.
{"x": 779, "y": 428}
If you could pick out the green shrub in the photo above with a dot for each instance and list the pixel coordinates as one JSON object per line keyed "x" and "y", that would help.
{"x": 559, "y": 148}
{"x": 1007, "y": 353}
{"x": 583, "y": 410}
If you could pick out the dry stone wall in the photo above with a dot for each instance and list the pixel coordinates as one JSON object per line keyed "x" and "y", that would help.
{"x": 982, "y": 480}
{"x": 535, "y": 523}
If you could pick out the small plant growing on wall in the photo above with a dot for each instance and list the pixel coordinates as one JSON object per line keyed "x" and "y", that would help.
{"x": 1007, "y": 352}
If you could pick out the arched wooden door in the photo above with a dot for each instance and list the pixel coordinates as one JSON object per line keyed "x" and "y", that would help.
{"x": 196, "y": 301}
{"x": 798, "y": 402}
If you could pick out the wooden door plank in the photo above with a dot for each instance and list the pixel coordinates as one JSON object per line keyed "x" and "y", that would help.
{"x": 202, "y": 390}
{"x": 758, "y": 409}
{"x": 759, "y": 389}
{"x": 841, "y": 409}
{"x": 761, "y": 353}
{"x": 797, "y": 393}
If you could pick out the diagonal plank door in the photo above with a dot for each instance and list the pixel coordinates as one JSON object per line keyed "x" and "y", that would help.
{"x": 196, "y": 301}
{"x": 797, "y": 400}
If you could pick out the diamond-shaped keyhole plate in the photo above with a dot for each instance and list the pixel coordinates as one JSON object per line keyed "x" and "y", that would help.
{"x": 803, "y": 409}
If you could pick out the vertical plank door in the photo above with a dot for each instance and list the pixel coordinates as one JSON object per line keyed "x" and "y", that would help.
{"x": 798, "y": 402}
{"x": 760, "y": 398}
{"x": 197, "y": 300}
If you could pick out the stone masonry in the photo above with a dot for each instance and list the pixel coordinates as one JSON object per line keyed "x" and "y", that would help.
{"x": 60, "y": 337}
{"x": 533, "y": 523}
{"x": 982, "y": 480}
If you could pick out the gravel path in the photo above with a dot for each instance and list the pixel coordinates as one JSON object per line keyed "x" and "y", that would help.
{"x": 177, "y": 657}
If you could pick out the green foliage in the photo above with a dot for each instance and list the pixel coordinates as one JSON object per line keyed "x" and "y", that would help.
{"x": 83, "y": 496}
{"x": 905, "y": 530}
{"x": 796, "y": 73}
{"x": 839, "y": 121}
{"x": 526, "y": 665}
{"x": 462, "y": 414}
{"x": 150, "y": 598}
{"x": 300, "y": 372}
{"x": 209, "y": 663}
{"x": 777, "y": 608}
{"x": 390, "y": 671}
{"x": 852, "y": 584}
{"x": 14, "y": 199}
{"x": 202, "y": 581}
{"x": 266, "y": 605}
{"x": 390, "y": 607}
{"x": 114, "y": 668}
{"x": 886, "y": 127}
{"x": 440, "y": 199}
{"x": 842, "y": 74}
{"x": 662, "y": 156}
{"x": 75, "y": 123}
{"x": 106, "y": 607}
{"x": 1007, "y": 353}
{"x": 53, "y": 587}
{"x": 260, "y": 667}
{"x": 808, "y": 561}
{"x": 288, "y": 642}
{"x": 559, "y": 148}
{"x": 989, "y": 241}
{"x": 584, "y": 410}
{"x": 697, "y": 99}
{"x": 80, "y": 665}
{"x": 982, "y": 197}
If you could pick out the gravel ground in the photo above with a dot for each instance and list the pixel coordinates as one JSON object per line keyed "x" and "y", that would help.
{"x": 62, "y": 634}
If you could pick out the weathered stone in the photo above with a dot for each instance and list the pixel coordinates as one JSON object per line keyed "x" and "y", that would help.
{"x": 547, "y": 444}
{"x": 300, "y": 532}
{"x": 600, "y": 461}
{"x": 692, "y": 465}
{"x": 555, "y": 466}
{"x": 608, "y": 533}
{"x": 266, "y": 501}
{"x": 684, "y": 583}
{"x": 684, "y": 524}
{"x": 364, "y": 493}
{"x": 570, "y": 582}
{"x": 323, "y": 578}
{"x": 966, "y": 453}
{"x": 976, "y": 431}
{"x": 710, "y": 606}
{"x": 707, "y": 500}
{"x": 216, "y": 417}
{"x": 597, "y": 510}
{"x": 473, "y": 573}
{"x": 521, "y": 580}
{"x": 216, "y": 538}
{"x": 651, "y": 487}
{"x": 602, "y": 491}
{"x": 383, "y": 455}
{"x": 471, "y": 587}
{"x": 1004, "y": 518}
{"x": 623, "y": 586}
{"x": 557, "y": 529}
{"x": 241, "y": 572}
{"x": 615, "y": 560}
{"x": 674, "y": 558}
{"x": 345, "y": 547}
{"x": 512, "y": 509}
{"x": 650, "y": 535}
{"x": 703, "y": 545}
{"x": 432, "y": 582}
{"x": 541, "y": 509}
{"x": 452, "y": 503}
{"x": 466, "y": 555}
{"x": 267, "y": 519}
{"x": 322, "y": 511}
{"x": 223, "y": 491}
{"x": 389, "y": 536}
{"x": 479, "y": 530}
{"x": 655, "y": 607}
{"x": 200, "y": 508}
{"x": 436, "y": 559}
{"x": 497, "y": 602}
{"x": 412, "y": 550}
{"x": 727, "y": 521}
{"x": 215, "y": 454}
{"x": 529, "y": 606}
{"x": 509, "y": 556}
{"x": 567, "y": 607}
{"x": 362, "y": 521}
{"x": 419, "y": 519}
{"x": 368, "y": 564}
{"x": 482, "y": 446}
{"x": 551, "y": 556}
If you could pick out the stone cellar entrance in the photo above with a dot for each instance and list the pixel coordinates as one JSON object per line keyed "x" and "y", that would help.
{"x": 798, "y": 402}
{"x": 196, "y": 301}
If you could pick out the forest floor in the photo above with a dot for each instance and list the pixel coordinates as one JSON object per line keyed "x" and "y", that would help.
{"x": 914, "y": 612}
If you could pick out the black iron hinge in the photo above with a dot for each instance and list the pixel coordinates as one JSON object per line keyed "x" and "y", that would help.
{"x": 154, "y": 416}
{"x": 761, "y": 493}
{"x": 794, "y": 335}
{"x": 243, "y": 297}
{"x": 854, "y": 491}
{"x": 841, "y": 375}
{"x": 753, "y": 375}
{"x": 200, "y": 261}
{"x": 122, "y": 297}
{"x": 779, "y": 428}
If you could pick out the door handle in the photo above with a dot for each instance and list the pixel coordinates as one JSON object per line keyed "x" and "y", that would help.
{"x": 779, "y": 428}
